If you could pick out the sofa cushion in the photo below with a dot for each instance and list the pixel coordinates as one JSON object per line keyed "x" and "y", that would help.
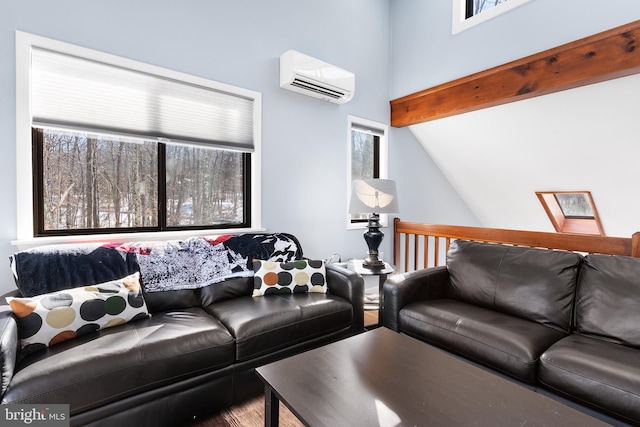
{"x": 531, "y": 283}
{"x": 171, "y": 300}
{"x": 230, "y": 288}
{"x": 608, "y": 299}
{"x": 596, "y": 373}
{"x": 270, "y": 323}
{"x": 298, "y": 276}
{"x": 94, "y": 370}
{"x": 48, "y": 319}
{"x": 505, "y": 343}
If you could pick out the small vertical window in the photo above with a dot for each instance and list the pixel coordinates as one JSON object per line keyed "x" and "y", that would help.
{"x": 571, "y": 211}
{"x": 367, "y": 156}
{"x": 365, "y": 160}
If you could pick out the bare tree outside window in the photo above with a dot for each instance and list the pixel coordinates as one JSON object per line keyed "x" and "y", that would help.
{"x": 204, "y": 186}
{"x": 364, "y": 148}
{"x": 94, "y": 182}
{"x": 362, "y": 155}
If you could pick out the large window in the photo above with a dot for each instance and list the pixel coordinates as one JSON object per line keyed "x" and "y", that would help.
{"x": 90, "y": 183}
{"x": 367, "y": 157}
{"x": 120, "y": 146}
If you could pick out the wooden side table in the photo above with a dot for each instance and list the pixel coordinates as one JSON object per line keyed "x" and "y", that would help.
{"x": 356, "y": 265}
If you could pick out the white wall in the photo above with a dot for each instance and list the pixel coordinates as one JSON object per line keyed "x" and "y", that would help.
{"x": 238, "y": 42}
{"x": 424, "y": 194}
{"x": 579, "y": 139}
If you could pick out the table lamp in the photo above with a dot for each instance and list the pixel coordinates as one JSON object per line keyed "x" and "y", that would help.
{"x": 373, "y": 196}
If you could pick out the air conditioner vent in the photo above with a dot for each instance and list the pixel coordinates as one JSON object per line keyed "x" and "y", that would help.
{"x": 309, "y": 76}
{"x": 317, "y": 88}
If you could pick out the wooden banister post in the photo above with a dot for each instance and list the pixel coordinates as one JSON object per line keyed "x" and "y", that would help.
{"x": 396, "y": 242}
{"x": 635, "y": 244}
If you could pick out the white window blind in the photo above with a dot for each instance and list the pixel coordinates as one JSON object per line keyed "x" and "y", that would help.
{"x": 85, "y": 95}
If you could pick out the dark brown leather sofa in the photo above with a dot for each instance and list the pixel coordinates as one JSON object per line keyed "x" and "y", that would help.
{"x": 555, "y": 321}
{"x": 195, "y": 355}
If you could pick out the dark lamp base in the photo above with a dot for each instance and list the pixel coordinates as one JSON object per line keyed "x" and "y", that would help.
{"x": 373, "y": 264}
{"x": 373, "y": 236}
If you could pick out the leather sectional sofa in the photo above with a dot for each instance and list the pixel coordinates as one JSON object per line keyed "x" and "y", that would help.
{"x": 195, "y": 352}
{"x": 564, "y": 324}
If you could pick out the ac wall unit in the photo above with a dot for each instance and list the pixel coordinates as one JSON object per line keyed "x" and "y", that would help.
{"x": 309, "y": 76}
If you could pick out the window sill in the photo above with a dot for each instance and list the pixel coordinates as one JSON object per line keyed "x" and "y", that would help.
{"x": 33, "y": 242}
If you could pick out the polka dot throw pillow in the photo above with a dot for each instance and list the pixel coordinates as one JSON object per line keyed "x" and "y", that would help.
{"x": 45, "y": 320}
{"x": 299, "y": 276}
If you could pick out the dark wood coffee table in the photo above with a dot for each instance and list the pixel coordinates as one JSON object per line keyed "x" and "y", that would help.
{"x": 383, "y": 378}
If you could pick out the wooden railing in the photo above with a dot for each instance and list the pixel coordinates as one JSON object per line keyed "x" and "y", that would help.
{"x": 417, "y": 245}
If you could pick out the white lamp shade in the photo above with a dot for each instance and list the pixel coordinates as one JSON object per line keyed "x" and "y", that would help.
{"x": 373, "y": 196}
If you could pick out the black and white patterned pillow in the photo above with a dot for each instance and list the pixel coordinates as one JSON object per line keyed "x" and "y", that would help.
{"x": 299, "y": 276}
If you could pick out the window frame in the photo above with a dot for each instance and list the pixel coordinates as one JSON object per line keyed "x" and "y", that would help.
{"x": 382, "y": 162}
{"x": 460, "y": 21}
{"x": 25, "y": 232}
{"x": 39, "y": 205}
{"x": 570, "y": 224}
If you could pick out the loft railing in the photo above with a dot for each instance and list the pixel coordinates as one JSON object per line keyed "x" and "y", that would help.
{"x": 417, "y": 245}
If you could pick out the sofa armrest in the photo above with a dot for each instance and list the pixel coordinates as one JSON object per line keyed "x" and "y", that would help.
{"x": 9, "y": 343}
{"x": 403, "y": 289}
{"x": 349, "y": 285}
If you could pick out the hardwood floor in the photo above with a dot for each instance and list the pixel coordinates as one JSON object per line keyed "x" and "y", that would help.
{"x": 370, "y": 318}
{"x": 248, "y": 414}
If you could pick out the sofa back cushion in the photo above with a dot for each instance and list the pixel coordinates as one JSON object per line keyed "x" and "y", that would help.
{"x": 608, "y": 299}
{"x": 530, "y": 283}
{"x": 158, "y": 302}
{"x": 230, "y": 288}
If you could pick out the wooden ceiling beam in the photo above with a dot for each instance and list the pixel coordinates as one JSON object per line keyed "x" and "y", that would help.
{"x": 600, "y": 57}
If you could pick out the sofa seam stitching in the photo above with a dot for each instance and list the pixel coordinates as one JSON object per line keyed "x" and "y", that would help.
{"x": 291, "y": 324}
{"x": 591, "y": 379}
{"x": 533, "y": 362}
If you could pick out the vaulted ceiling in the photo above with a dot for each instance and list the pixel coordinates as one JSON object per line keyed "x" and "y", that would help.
{"x": 581, "y": 138}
